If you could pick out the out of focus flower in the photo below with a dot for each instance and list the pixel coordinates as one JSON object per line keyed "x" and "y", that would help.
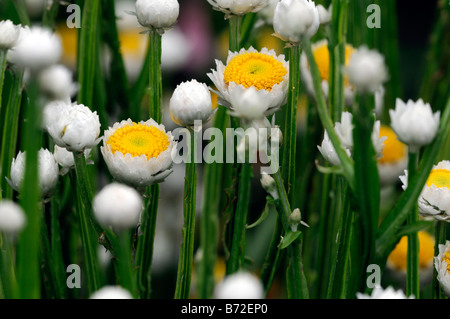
{"x": 156, "y": 14}
{"x": 9, "y": 33}
{"x": 240, "y": 285}
{"x": 250, "y": 75}
{"x": 414, "y": 122}
{"x": 380, "y": 293}
{"x": 237, "y": 7}
{"x": 442, "y": 265}
{"x": 118, "y": 206}
{"x": 66, "y": 160}
{"x": 111, "y": 292}
{"x": 266, "y": 14}
{"x": 366, "y": 70}
{"x": 12, "y": 218}
{"x": 37, "y": 48}
{"x": 395, "y": 157}
{"x": 138, "y": 154}
{"x": 73, "y": 126}
{"x": 191, "y": 101}
{"x": 294, "y": 19}
{"x": 57, "y": 83}
{"x": 324, "y": 14}
{"x": 48, "y": 171}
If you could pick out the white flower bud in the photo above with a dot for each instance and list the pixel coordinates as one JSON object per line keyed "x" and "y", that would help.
{"x": 238, "y": 7}
{"x": 266, "y": 14}
{"x": 48, "y": 171}
{"x": 73, "y": 126}
{"x": 294, "y": 19}
{"x": 366, "y": 70}
{"x": 414, "y": 123}
{"x": 66, "y": 160}
{"x": 157, "y": 14}
{"x": 9, "y": 33}
{"x": 111, "y": 292}
{"x": 191, "y": 101}
{"x": 117, "y": 206}
{"x": 268, "y": 183}
{"x": 324, "y": 14}
{"x": 12, "y": 218}
{"x": 295, "y": 218}
{"x": 36, "y": 48}
{"x": 56, "y": 81}
{"x": 240, "y": 285}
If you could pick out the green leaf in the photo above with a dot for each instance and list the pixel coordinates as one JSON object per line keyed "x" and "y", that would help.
{"x": 417, "y": 226}
{"x": 289, "y": 239}
{"x": 263, "y": 216}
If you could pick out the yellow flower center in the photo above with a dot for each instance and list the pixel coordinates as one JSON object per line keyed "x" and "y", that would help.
{"x": 255, "y": 69}
{"x": 322, "y": 57}
{"x": 446, "y": 258}
{"x": 394, "y": 150}
{"x": 139, "y": 139}
{"x": 426, "y": 251}
{"x": 439, "y": 178}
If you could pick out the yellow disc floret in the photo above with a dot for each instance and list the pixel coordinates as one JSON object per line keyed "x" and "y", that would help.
{"x": 446, "y": 258}
{"x": 394, "y": 150}
{"x": 397, "y": 258}
{"x": 439, "y": 178}
{"x": 322, "y": 57}
{"x": 138, "y": 139}
{"x": 255, "y": 69}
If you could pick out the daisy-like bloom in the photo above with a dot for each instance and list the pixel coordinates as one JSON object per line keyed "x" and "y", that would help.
{"x": 36, "y": 48}
{"x": 249, "y": 76}
{"x": 442, "y": 265}
{"x": 138, "y": 154}
{"x": 380, "y": 293}
{"x": 48, "y": 171}
{"x": 57, "y": 83}
{"x": 294, "y": 19}
{"x": 66, "y": 160}
{"x": 12, "y": 217}
{"x": 118, "y": 206}
{"x": 414, "y": 122}
{"x": 191, "y": 101}
{"x": 434, "y": 200}
{"x": 240, "y": 285}
{"x": 73, "y": 126}
{"x": 111, "y": 292}
{"x": 367, "y": 70}
{"x": 9, "y": 33}
{"x": 397, "y": 259}
{"x": 395, "y": 157}
{"x": 157, "y": 14}
{"x": 238, "y": 7}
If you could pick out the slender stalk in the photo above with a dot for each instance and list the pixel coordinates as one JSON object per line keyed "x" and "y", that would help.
{"x": 234, "y": 40}
{"x": 22, "y": 12}
{"x": 2, "y": 74}
{"x": 155, "y": 84}
{"x": 126, "y": 275}
{"x": 7, "y": 272}
{"x": 185, "y": 262}
{"x": 412, "y": 265}
{"x": 440, "y": 239}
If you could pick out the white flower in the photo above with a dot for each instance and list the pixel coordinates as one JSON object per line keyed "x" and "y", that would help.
{"x": 138, "y": 154}
{"x": 240, "y": 285}
{"x": 238, "y": 7}
{"x": 414, "y": 122}
{"x": 118, "y": 206}
{"x": 48, "y": 171}
{"x": 36, "y": 48}
{"x": 267, "y": 84}
{"x": 329, "y": 152}
{"x": 268, "y": 184}
{"x": 366, "y": 70}
{"x": 191, "y": 101}
{"x": 12, "y": 217}
{"x": 324, "y": 14}
{"x": 157, "y": 14}
{"x": 294, "y": 19}
{"x": 380, "y": 293}
{"x": 66, "y": 160}
{"x": 73, "y": 126}
{"x": 9, "y": 33}
{"x": 442, "y": 265}
{"x": 111, "y": 292}
{"x": 266, "y": 14}
{"x": 57, "y": 82}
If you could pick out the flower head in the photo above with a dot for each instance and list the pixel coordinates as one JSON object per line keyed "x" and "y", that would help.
{"x": 36, "y": 48}
{"x": 66, "y": 160}
{"x": 111, "y": 292}
{"x": 294, "y": 19}
{"x": 189, "y": 102}
{"x": 138, "y": 154}
{"x": 238, "y": 7}
{"x": 73, "y": 126}
{"x": 266, "y": 14}
{"x": 259, "y": 78}
{"x": 9, "y": 33}
{"x": 380, "y": 293}
{"x": 324, "y": 14}
{"x": 56, "y": 81}
{"x": 240, "y": 285}
{"x": 12, "y": 217}
{"x": 118, "y": 206}
{"x": 414, "y": 122}
{"x": 442, "y": 265}
{"x": 157, "y": 14}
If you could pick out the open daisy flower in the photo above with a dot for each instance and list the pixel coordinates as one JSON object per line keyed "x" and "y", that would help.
{"x": 261, "y": 74}
{"x": 138, "y": 154}
{"x": 442, "y": 265}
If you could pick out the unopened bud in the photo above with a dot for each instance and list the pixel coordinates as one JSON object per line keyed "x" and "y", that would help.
{"x": 268, "y": 183}
{"x": 296, "y": 218}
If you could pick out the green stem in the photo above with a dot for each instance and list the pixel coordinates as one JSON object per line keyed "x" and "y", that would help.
{"x": 22, "y": 12}
{"x": 155, "y": 109}
{"x": 7, "y": 272}
{"x": 234, "y": 40}
{"x": 412, "y": 265}
{"x": 185, "y": 262}
{"x": 2, "y": 74}
{"x": 440, "y": 239}
{"x": 126, "y": 278}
